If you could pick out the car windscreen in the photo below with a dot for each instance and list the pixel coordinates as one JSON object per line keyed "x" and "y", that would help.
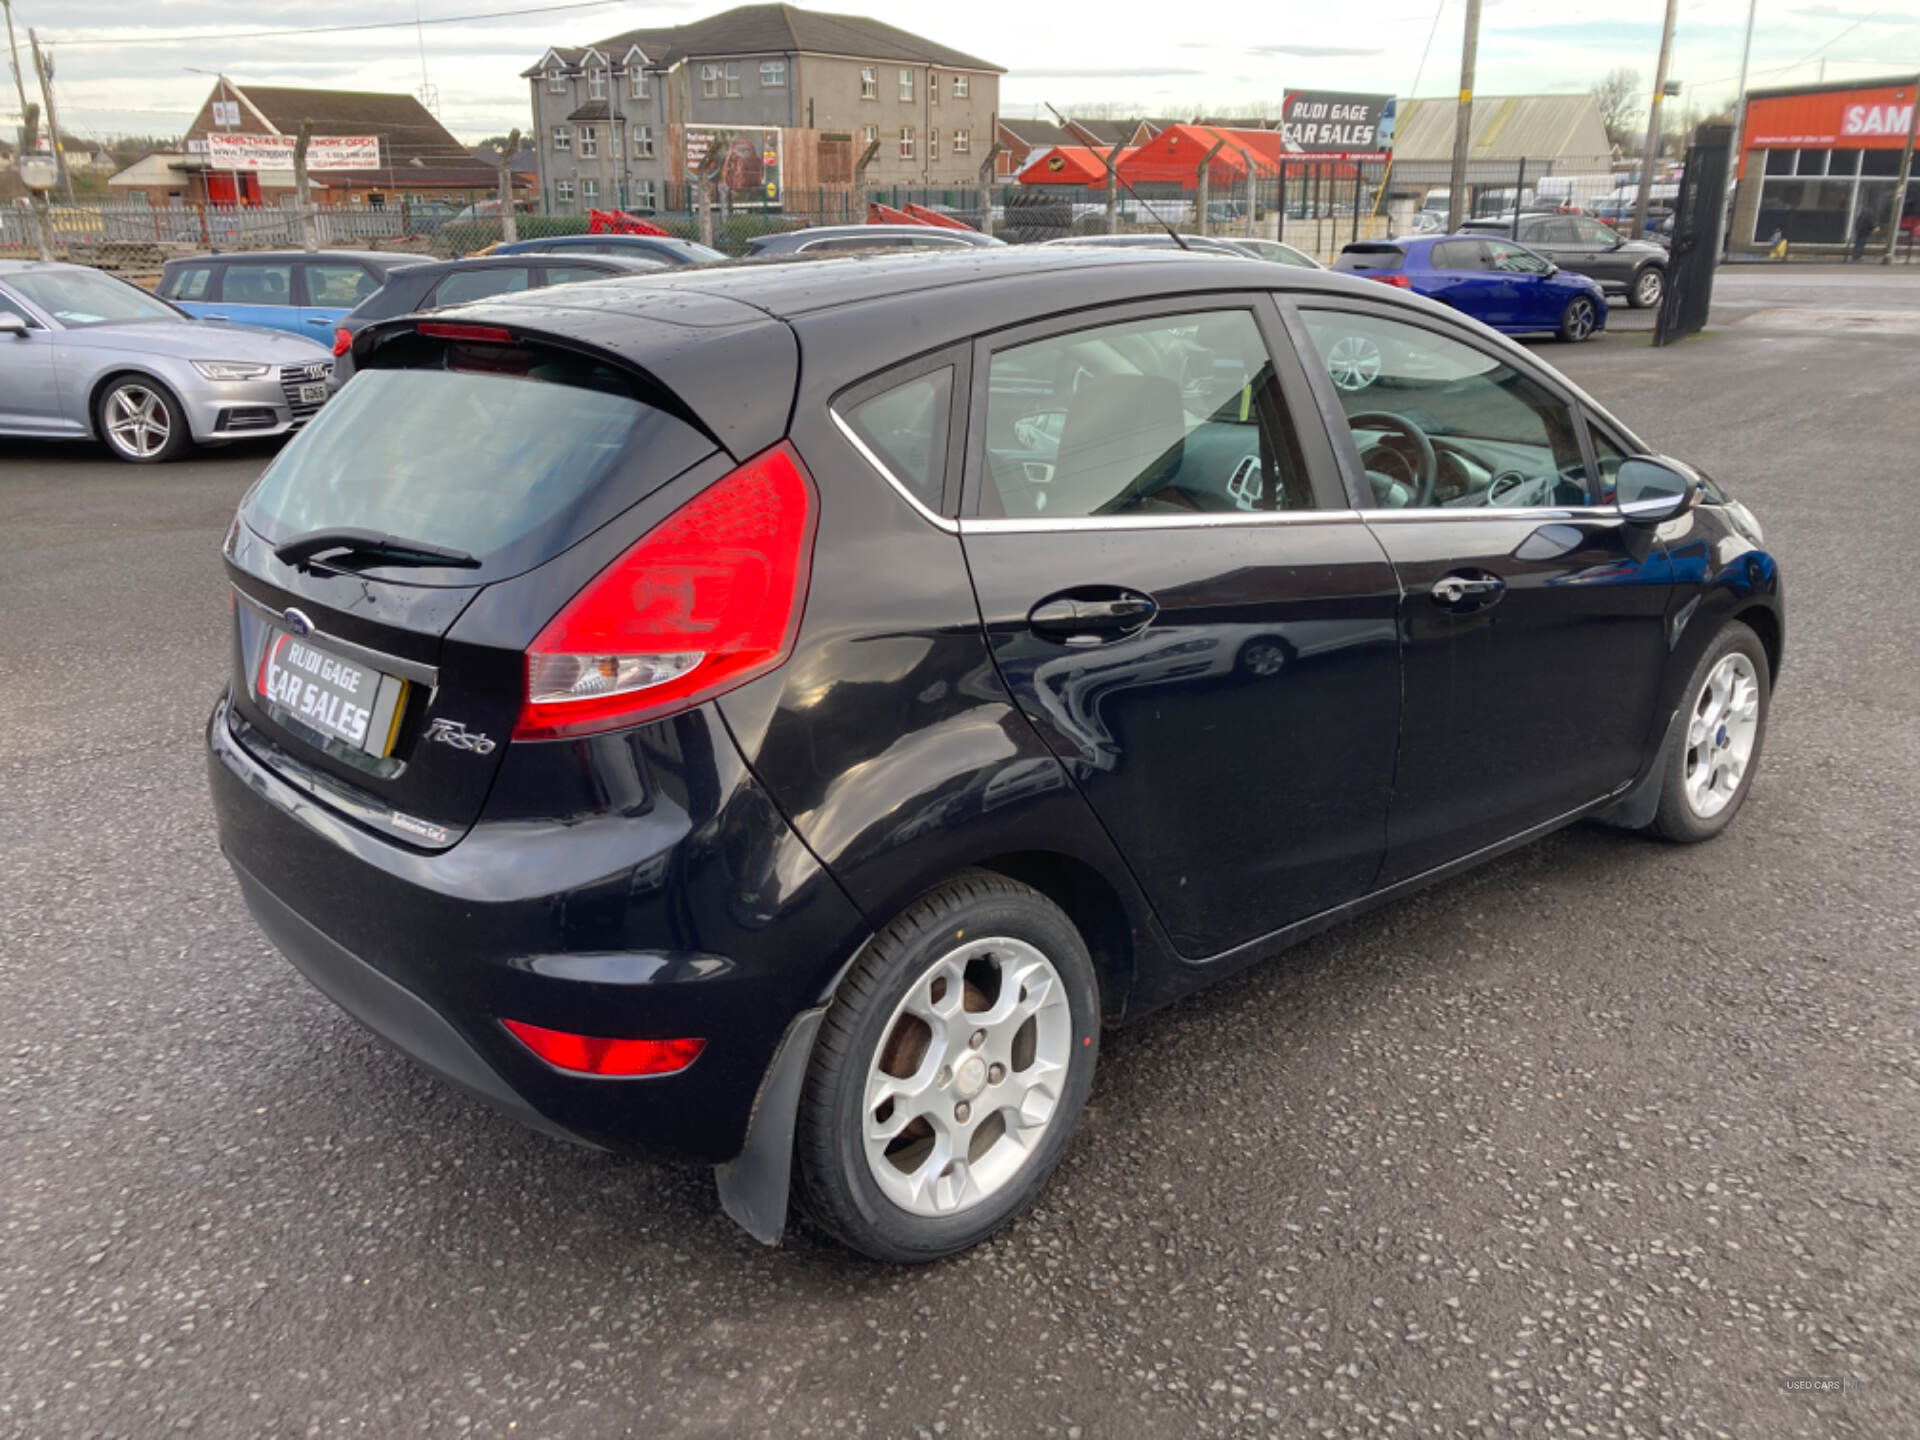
{"x": 1363, "y": 258}
{"x": 79, "y": 297}
{"x": 510, "y": 453}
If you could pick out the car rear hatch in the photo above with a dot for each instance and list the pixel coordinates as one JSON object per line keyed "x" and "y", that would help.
{"x": 499, "y": 456}
{"x": 1367, "y": 257}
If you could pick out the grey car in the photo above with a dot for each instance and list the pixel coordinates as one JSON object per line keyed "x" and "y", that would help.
{"x": 1245, "y": 246}
{"x": 84, "y": 355}
{"x": 1636, "y": 269}
{"x": 849, "y": 239}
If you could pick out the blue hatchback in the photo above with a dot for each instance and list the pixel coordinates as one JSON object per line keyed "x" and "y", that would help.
{"x": 1498, "y": 282}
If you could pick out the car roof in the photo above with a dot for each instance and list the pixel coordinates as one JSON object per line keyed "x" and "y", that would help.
{"x": 382, "y": 259}
{"x": 814, "y": 232}
{"x": 672, "y": 242}
{"x": 498, "y": 260}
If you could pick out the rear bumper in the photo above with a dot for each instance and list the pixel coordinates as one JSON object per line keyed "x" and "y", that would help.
{"x": 697, "y": 913}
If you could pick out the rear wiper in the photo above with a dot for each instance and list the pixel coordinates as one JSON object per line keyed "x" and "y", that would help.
{"x": 384, "y": 549}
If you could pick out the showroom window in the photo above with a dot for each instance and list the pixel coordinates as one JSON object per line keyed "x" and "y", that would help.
{"x": 1820, "y": 196}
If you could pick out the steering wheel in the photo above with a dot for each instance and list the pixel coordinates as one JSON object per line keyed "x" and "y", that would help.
{"x": 1426, "y": 474}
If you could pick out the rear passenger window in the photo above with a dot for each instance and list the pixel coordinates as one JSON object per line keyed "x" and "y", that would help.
{"x": 338, "y": 285}
{"x": 189, "y": 282}
{"x": 1176, "y": 415}
{"x": 258, "y": 285}
{"x": 1458, "y": 255}
{"x": 465, "y": 285}
{"x": 906, "y": 428}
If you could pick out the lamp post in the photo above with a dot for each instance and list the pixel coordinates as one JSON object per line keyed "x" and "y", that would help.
{"x": 233, "y": 175}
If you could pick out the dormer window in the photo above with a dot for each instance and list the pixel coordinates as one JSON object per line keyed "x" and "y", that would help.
{"x": 596, "y": 84}
{"x": 557, "y": 81}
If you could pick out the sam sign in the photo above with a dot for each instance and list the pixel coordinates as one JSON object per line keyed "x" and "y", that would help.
{"x": 1332, "y": 125}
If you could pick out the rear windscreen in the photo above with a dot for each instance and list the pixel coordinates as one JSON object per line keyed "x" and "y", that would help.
{"x": 509, "y": 453}
{"x": 1384, "y": 258}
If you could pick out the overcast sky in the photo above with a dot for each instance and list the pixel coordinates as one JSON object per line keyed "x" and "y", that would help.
{"x": 1123, "y": 51}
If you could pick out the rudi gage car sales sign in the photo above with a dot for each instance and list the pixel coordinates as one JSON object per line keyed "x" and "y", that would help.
{"x": 1332, "y": 125}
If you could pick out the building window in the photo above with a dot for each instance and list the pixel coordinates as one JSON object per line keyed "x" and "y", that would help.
{"x": 869, "y": 83}
{"x": 959, "y": 87}
{"x": 710, "y": 81}
{"x": 643, "y": 142}
{"x": 589, "y": 192}
{"x": 906, "y": 84}
{"x": 773, "y": 74}
{"x": 961, "y": 144}
{"x": 933, "y": 88}
{"x": 557, "y": 81}
{"x": 596, "y": 84}
{"x": 1825, "y": 197}
{"x": 869, "y": 135}
{"x": 906, "y": 142}
{"x": 589, "y": 141}
{"x": 643, "y": 194}
{"x": 933, "y": 144}
{"x": 562, "y": 138}
{"x": 563, "y": 191}
{"x": 733, "y": 81}
{"x": 637, "y": 79}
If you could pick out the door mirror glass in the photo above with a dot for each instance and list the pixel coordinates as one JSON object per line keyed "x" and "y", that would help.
{"x": 1652, "y": 491}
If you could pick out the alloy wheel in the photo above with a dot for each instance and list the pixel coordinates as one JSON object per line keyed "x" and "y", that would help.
{"x": 1721, "y": 733}
{"x": 1646, "y": 290}
{"x": 1355, "y": 362}
{"x": 1579, "y": 320}
{"x": 138, "y": 423}
{"x": 967, "y": 1076}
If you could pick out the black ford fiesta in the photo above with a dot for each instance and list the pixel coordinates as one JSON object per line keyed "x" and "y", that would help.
{"x": 778, "y": 716}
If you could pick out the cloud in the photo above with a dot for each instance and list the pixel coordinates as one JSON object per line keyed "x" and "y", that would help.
{"x": 1148, "y": 72}
{"x": 1313, "y": 52}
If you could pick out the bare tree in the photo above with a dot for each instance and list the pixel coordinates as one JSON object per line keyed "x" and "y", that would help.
{"x": 1614, "y": 98}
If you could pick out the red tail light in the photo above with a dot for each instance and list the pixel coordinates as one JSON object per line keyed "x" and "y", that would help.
{"x": 705, "y": 601}
{"x": 595, "y": 1055}
{"x": 1391, "y": 277}
{"x": 449, "y": 330}
{"x": 342, "y": 341}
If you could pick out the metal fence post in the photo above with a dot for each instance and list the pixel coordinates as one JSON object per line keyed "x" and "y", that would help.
{"x": 1519, "y": 188}
{"x": 1356, "y": 203}
{"x": 1282, "y": 205}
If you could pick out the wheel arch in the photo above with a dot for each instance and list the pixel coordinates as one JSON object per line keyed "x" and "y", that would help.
{"x": 1764, "y": 621}
{"x": 106, "y": 382}
{"x": 1093, "y": 905}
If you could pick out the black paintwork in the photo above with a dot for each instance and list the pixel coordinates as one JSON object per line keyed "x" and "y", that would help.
{"x": 712, "y": 874}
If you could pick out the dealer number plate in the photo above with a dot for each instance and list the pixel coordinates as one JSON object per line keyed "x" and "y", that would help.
{"x": 352, "y": 703}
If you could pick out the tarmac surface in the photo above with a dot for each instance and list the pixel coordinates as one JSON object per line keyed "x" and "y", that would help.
{"x": 1607, "y": 1138}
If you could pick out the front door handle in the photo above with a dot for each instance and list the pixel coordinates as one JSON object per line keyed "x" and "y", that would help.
{"x": 1092, "y": 614}
{"x": 1455, "y": 589}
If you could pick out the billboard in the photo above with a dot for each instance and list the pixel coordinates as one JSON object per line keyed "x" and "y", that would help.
{"x": 275, "y": 152}
{"x": 742, "y": 161}
{"x": 1333, "y": 125}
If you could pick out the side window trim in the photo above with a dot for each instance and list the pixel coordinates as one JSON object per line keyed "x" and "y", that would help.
{"x": 957, "y": 358}
{"x": 1335, "y": 415}
{"x": 1258, "y": 304}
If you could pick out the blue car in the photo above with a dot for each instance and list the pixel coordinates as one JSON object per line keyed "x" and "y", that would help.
{"x": 667, "y": 249}
{"x": 1497, "y": 282}
{"x": 302, "y": 293}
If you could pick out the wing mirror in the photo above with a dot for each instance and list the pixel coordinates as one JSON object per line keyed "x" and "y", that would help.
{"x": 1652, "y": 490}
{"x": 12, "y": 324}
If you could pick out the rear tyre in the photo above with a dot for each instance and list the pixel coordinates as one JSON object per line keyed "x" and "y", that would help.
{"x": 1647, "y": 288}
{"x": 140, "y": 421}
{"x": 1577, "y": 320}
{"x": 1712, "y": 760}
{"x": 949, "y": 1072}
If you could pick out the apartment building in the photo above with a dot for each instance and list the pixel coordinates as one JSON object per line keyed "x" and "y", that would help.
{"x": 603, "y": 113}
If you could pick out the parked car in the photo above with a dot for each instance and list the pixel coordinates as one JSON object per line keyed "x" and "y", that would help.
{"x": 729, "y": 721}
{"x": 1244, "y": 246}
{"x": 1497, "y": 282}
{"x": 84, "y": 355}
{"x": 1636, "y": 269}
{"x": 455, "y": 282}
{"x": 846, "y": 239}
{"x": 665, "y": 249}
{"x": 304, "y": 293}
{"x": 490, "y": 210}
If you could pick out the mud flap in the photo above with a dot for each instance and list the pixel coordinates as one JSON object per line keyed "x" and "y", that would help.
{"x": 754, "y": 1184}
{"x": 1636, "y": 808}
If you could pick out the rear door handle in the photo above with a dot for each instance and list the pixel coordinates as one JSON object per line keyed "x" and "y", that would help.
{"x": 1091, "y": 614}
{"x": 1454, "y": 589}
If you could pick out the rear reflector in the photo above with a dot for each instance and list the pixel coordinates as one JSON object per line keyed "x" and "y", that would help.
{"x": 595, "y": 1055}
{"x": 1390, "y": 277}
{"x": 342, "y": 340}
{"x": 707, "y": 600}
{"x": 444, "y": 330}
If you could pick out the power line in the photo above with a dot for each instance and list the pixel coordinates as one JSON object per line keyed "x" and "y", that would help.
{"x": 95, "y": 40}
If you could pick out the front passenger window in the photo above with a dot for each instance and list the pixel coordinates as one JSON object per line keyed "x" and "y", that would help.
{"x": 1441, "y": 423}
{"x": 1174, "y": 415}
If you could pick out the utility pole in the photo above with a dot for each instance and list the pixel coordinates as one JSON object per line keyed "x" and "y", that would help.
{"x": 509, "y": 225}
{"x": 1653, "y": 125}
{"x": 1906, "y": 171}
{"x": 44, "y": 70}
{"x": 1463, "y": 117}
{"x": 309, "y": 222}
{"x": 19, "y": 80}
{"x": 1721, "y": 246}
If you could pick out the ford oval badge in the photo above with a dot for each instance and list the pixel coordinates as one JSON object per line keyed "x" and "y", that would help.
{"x": 296, "y": 621}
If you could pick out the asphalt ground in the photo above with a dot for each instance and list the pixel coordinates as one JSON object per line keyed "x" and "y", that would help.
{"x": 1608, "y": 1138}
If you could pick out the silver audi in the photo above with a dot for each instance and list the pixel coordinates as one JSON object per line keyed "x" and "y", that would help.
{"x": 84, "y": 355}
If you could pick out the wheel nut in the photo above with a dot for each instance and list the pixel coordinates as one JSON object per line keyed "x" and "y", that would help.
{"x": 962, "y": 1111}
{"x": 944, "y": 1077}
{"x": 996, "y": 1073}
{"x": 978, "y": 1038}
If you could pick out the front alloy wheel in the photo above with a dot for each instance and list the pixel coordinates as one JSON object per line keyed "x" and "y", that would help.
{"x": 1578, "y": 321}
{"x": 1713, "y": 747}
{"x": 949, "y": 1071}
{"x": 1648, "y": 286}
{"x": 141, "y": 422}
